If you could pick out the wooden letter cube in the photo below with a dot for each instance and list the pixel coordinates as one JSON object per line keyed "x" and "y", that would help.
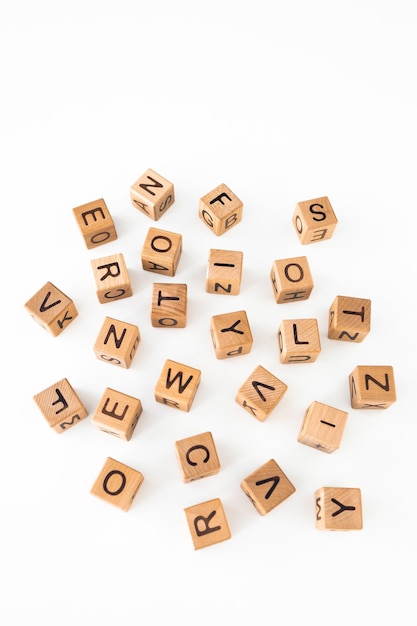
{"x": 231, "y": 334}
{"x": 112, "y": 278}
{"x": 60, "y": 406}
{"x": 207, "y": 523}
{"x": 338, "y": 508}
{"x": 267, "y": 487}
{"x": 177, "y": 385}
{"x": 322, "y": 427}
{"x": 169, "y": 305}
{"x": 220, "y": 209}
{"x": 117, "y": 342}
{"x": 117, "y": 414}
{"x": 291, "y": 279}
{"x": 152, "y": 194}
{"x": 197, "y": 457}
{"x": 261, "y": 393}
{"x": 95, "y": 223}
{"x": 299, "y": 341}
{"x": 349, "y": 319}
{"x": 161, "y": 251}
{"x": 52, "y": 309}
{"x": 372, "y": 387}
{"x": 117, "y": 484}
{"x": 314, "y": 220}
{"x": 224, "y": 272}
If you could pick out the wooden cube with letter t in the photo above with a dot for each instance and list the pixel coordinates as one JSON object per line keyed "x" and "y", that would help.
{"x": 291, "y": 279}
{"x": 224, "y": 272}
{"x": 152, "y": 194}
{"x": 231, "y": 334}
{"x": 112, "y": 278}
{"x": 314, "y": 220}
{"x": 177, "y": 385}
{"x": 349, "y": 319}
{"x": 372, "y": 387}
{"x": 161, "y": 251}
{"x": 197, "y": 456}
{"x": 60, "y": 406}
{"x": 95, "y": 223}
{"x": 169, "y": 305}
{"x": 220, "y": 209}
{"x": 299, "y": 341}
{"x": 338, "y": 508}
{"x": 261, "y": 393}
{"x": 117, "y": 413}
{"x": 267, "y": 487}
{"x": 117, "y": 342}
{"x": 207, "y": 523}
{"x": 117, "y": 484}
{"x": 52, "y": 309}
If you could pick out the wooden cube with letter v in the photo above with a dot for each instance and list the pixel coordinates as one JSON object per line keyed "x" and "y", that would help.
{"x": 60, "y": 406}
{"x": 299, "y": 341}
{"x": 261, "y": 393}
{"x": 197, "y": 456}
{"x": 220, "y": 209}
{"x": 152, "y": 194}
{"x": 372, "y": 387}
{"x": 117, "y": 342}
{"x": 314, "y": 220}
{"x": 95, "y": 223}
{"x": 112, "y": 278}
{"x": 117, "y": 484}
{"x": 322, "y": 427}
{"x": 291, "y": 279}
{"x": 161, "y": 251}
{"x": 117, "y": 413}
{"x": 177, "y": 385}
{"x": 349, "y": 319}
{"x": 231, "y": 334}
{"x": 207, "y": 523}
{"x": 169, "y": 305}
{"x": 267, "y": 487}
{"x": 52, "y": 309}
{"x": 338, "y": 508}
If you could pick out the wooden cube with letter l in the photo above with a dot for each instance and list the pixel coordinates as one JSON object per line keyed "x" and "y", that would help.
{"x": 372, "y": 387}
{"x": 177, "y": 385}
{"x": 314, "y": 220}
{"x": 291, "y": 279}
{"x": 169, "y": 305}
{"x": 117, "y": 413}
{"x": 299, "y": 341}
{"x": 207, "y": 523}
{"x": 267, "y": 487}
{"x": 117, "y": 484}
{"x": 338, "y": 508}
{"x": 52, "y": 309}
{"x": 152, "y": 194}
{"x": 349, "y": 319}
{"x": 60, "y": 406}
{"x": 112, "y": 278}
{"x": 231, "y": 334}
{"x": 224, "y": 272}
{"x": 161, "y": 251}
{"x": 322, "y": 427}
{"x": 95, "y": 223}
{"x": 197, "y": 456}
{"x": 261, "y": 393}
{"x": 220, "y": 209}
{"x": 117, "y": 342}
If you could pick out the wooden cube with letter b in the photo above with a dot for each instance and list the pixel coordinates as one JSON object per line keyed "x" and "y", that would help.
{"x": 267, "y": 487}
{"x": 261, "y": 393}
{"x": 291, "y": 279}
{"x": 117, "y": 484}
{"x": 117, "y": 413}
{"x": 197, "y": 456}
{"x": 169, "y": 305}
{"x": 314, "y": 220}
{"x": 112, "y": 278}
{"x": 177, "y": 385}
{"x": 231, "y": 334}
{"x": 207, "y": 523}
{"x": 299, "y": 341}
{"x": 338, "y": 508}
{"x": 322, "y": 427}
{"x": 117, "y": 342}
{"x": 95, "y": 223}
{"x": 60, "y": 406}
{"x": 161, "y": 251}
{"x": 349, "y": 319}
{"x": 224, "y": 272}
{"x": 52, "y": 309}
{"x": 152, "y": 194}
{"x": 372, "y": 387}
{"x": 220, "y": 209}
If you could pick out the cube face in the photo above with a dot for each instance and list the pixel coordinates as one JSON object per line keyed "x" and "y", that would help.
{"x": 322, "y": 427}
{"x": 224, "y": 272}
{"x": 95, "y": 223}
{"x": 177, "y": 385}
{"x": 52, "y": 309}
{"x": 60, "y": 406}
{"x": 207, "y": 523}
{"x": 197, "y": 457}
{"x": 372, "y": 387}
{"x": 152, "y": 194}
{"x": 261, "y": 393}
{"x": 117, "y": 342}
{"x": 291, "y": 279}
{"x": 349, "y": 319}
{"x": 112, "y": 278}
{"x": 220, "y": 209}
{"x": 231, "y": 334}
{"x": 267, "y": 487}
{"x": 117, "y": 414}
{"x": 117, "y": 484}
{"x": 169, "y": 305}
{"x": 161, "y": 252}
{"x": 338, "y": 508}
{"x": 314, "y": 220}
{"x": 299, "y": 341}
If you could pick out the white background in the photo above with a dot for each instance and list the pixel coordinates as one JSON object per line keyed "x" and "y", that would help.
{"x": 282, "y": 101}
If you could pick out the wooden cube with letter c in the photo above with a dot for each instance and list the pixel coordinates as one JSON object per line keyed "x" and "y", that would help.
{"x": 117, "y": 413}
{"x": 152, "y": 194}
{"x": 169, "y": 305}
{"x": 231, "y": 334}
{"x": 177, "y": 385}
{"x": 197, "y": 457}
{"x": 112, "y": 278}
{"x": 338, "y": 508}
{"x": 117, "y": 484}
{"x": 95, "y": 223}
{"x": 291, "y": 279}
{"x": 220, "y": 209}
{"x": 261, "y": 393}
{"x": 299, "y": 341}
{"x": 161, "y": 251}
{"x": 117, "y": 342}
{"x": 314, "y": 220}
{"x": 267, "y": 487}
{"x": 52, "y": 309}
{"x": 60, "y": 406}
{"x": 372, "y": 387}
{"x": 207, "y": 523}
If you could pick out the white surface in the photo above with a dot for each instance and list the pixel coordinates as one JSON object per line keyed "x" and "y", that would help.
{"x": 282, "y": 101}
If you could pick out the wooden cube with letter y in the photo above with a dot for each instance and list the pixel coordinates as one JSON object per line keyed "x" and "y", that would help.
{"x": 261, "y": 393}
{"x": 117, "y": 484}
{"x": 372, "y": 387}
{"x": 207, "y": 523}
{"x": 52, "y": 309}
{"x": 231, "y": 334}
{"x": 267, "y": 487}
{"x": 60, "y": 406}
{"x": 152, "y": 194}
{"x": 220, "y": 209}
{"x": 117, "y": 342}
{"x": 338, "y": 508}
{"x": 224, "y": 272}
{"x": 177, "y": 385}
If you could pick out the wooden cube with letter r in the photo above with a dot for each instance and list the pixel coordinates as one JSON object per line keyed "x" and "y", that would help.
{"x": 52, "y": 309}
{"x": 117, "y": 342}
{"x": 207, "y": 523}
{"x": 177, "y": 385}
{"x": 112, "y": 278}
{"x": 60, "y": 406}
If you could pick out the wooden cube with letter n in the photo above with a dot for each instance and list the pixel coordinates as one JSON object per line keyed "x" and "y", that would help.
{"x": 117, "y": 342}
{"x": 161, "y": 251}
{"x": 207, "y": 523}
{"x": 314, "y": 220}
{"x": 117, "y": 484}
{"x": 60, "y": 406}
{"x": 338, "y": 508}
{"x": 322, "y": 427}
{"x": 372, "y": 387}
{"x": 261, "y": 393}
{"x": 231, "y": 334}
{"x": 349, "y": 319}
{"x": 299, "y": 341}
{"x": 220, "y": 209}
{"x": 95, "y": 223}
{"x": 224, "y": 272}
{"x": 291, "y": 279}
{"x": 267, "y": 487}
{"x": 197, "y": 456}
{"x": 117, "y": 413}
{"x": 169, "y": 305}
{"x": 112, "y": 278}
{"x": 177, "y": 385}
{"x": 152, "y": 194}
{"x": 52, "y": 309}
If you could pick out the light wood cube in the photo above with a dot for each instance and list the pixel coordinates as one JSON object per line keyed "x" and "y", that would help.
{"x": 267, "y": 487}
{"x": 349, "y": 319}
{"x": 52, "y": 309}
{"x": 117, "y": 484}
{"x": 224, "y": 272}
{"x": 197, "y": 457}
{"x": 338, "y": 508}
{"x": 112, "y": 278}
{"x": 207, "y": 523}
{"x": 95, "y": 223}
{"x": 161, "y": 251}
{"x": 177, "y": 385}
{"x": 117, "y": 413}
{"x": 117, "y": 342}
{"x": 231, "y": 334}
{"x": 314, "y": 220}
{"x": 60, "y": 406}
{"x": 220, "y": 209}
{"x": 169, "y": 305}
{"x": 299, "y": 341}
{"x": 323, "y": 427}
{"x": 261, "y": 393}
{"x": 291, "y": 279}
{"x": 372, "y": 387}
{"x": 152, "y": 194}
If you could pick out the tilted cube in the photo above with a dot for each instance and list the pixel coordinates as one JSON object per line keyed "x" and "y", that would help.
{"x": 117, "y": 413}
{"x": 207, "y": 523}
{"x": 267, "y": 487}
{"x": 117, "y": 342}
{"x": 299, "y": 341}
{"x": 314, "y": 220}
{"x": 322, "y": 427}
{"x": 169, "y": 305}
{"x": 197, "y": 456}
{"x": 177, "y": 385}
{"x": 220, "y": 209}
{"x": 349, "y": 319}
{"x": 231, "y": 334}
{"x": 338, "y": 508}
{"x": 52, "y": 309}
{"x": 152, "y": 194}
{"x": 291, "y": 279}
{"x": 112, "y": 278}
{"x": 161, "y": 251}
{"x": 261, "y": 393}
{"x": 95, "y": 223}
{"x": 117, "y": 484}
{"x": 224, "y": 272}
{"x": 372, "y": 387}
{"x": 60, "y": 406}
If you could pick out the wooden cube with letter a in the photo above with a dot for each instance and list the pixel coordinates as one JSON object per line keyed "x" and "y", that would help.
{"x": 95, "y": 223}
{"x": 314, "y": 220}
{"x": 177, "y": 385}
{"x": 117, "y": 342}
{"x": 161, "y": 251}
{"x": 231, "y": 334}
{"x": 169, "y": 305}
{"x": 207, "y": 523}
{"x": 197, "y": 457}
{"x": 267, "y": 487}
{"x": 224, "y": 272}
{"x": 261, "y": 393}
{"x": 52, "y": 309}
{"x": 117, "y": 413}
{"x": 323, "y": 427}
{"x": 220, "y": 209}
{"x": 60, "y": 406}
{"x": 291, "y": 279}
{"x": 152, "y": 194}
{"x": 372, "y": 387}
{"x": 112, "y": 278}
{"x": 299, "y": 341}
{"x": 349, "y": 319}
{"x": 117, "y": 484}
{"x": 338, "y": 508}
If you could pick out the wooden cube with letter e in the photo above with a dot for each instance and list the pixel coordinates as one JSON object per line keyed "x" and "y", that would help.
{"x": 112, "y": 278}
{"x": 267, "y": 487}
{"x": 177, "y": 385}
{"x": 372, "y": 387}
{"x": 207, "y": 523}
{"x": 161, "y": 251}
{"x": 117, "y": 413}
{"x": 261, "y": 393}
{"x": 60, "y": 406}
{"x": 95, "y": 223}
{"x": 338, "y": 508}
{"x": 299, "y": 341}
{"x": 322, "y": 427}
{"x": 117, "y": 484}
{"x": 169, "y": 305}
{"x": 197, "y": 456}
{"x": 220, "y": 209}
{"x": 349, "y": 319}
{"x": 231, "y": 334}
{"x": 314, "y": 220}
{"x": 117, "y": 342}
{"x": 52, "y": 309}
{"x": 152, "y": 194}
{"x": 224, "y": 272}
{"x": 291, "y": 279}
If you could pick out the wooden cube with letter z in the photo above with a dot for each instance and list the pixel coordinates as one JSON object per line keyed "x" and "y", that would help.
{"x": 95, "y": 223}
{"x": 220, "y": 209}
{"x": 261, "y": 393}
{"x": 267, "y": 487}
{"x": 161, "y": 252}
{"x": 338, "y": 508}
{"x": 314, "y": 220}
{"x": 117, "y": 484}
{"x": 207, "y": 523}
{"x": 231, "y": 334}
{"x": 52, "y": 309}
{"x": 291, "y": 279}
{"x": 372, "y": 387}
{"x": 117, "y": 413}
{"x": 112, "y": 278}
{"x": 197, "y": 456}
{"x": 60, "y": 406}
{"x": 152, "y": 194}
{"x": 177, "y": 385}
{"x": 117, "y": 342}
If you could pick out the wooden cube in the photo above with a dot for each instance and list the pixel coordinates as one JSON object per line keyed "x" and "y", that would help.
{"x": 152, "y": 194}
{"x": 267, "y": 487}
{"x": 177, "y": 385}
{"x": 299, "y": 341}
{"x": 52, "y": 309}
{"x": 314, "y": 220}
{"x": 372, "y": 387}
{"x": 224, "y": 272}
{"x": 207, "y": 523}
{"x": 291, "y": 279}
{"x": 197, "y": 457}
{"x": 117, "y": 342}
{"x": 117, "y": 484}
{"x": 220, "y": 209}
{"x": 95, "y": 223}
{"x": 231, "y": 334}
{"x": 161, "y": 251}
{"x": 117, "y": 413}
{"x": 349, "y": 319}
{"x": 60, "y": 406}
{"x": 112, "y": 278}
{"x": 169, "y": 305}
{"x": 338, "y": 508}
{"x": 322, "y": 427}
{"x": 261, "y": 393}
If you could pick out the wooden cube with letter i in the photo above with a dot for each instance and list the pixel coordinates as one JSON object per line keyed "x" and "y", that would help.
{"x": 177, "y": 385}
{"x": 322, "y": 427}
{"x": 169, "y": 305}
{"x": 117, "y": 413}
{"x": 95, "y": 223}
{"x": 224, "y": 272}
